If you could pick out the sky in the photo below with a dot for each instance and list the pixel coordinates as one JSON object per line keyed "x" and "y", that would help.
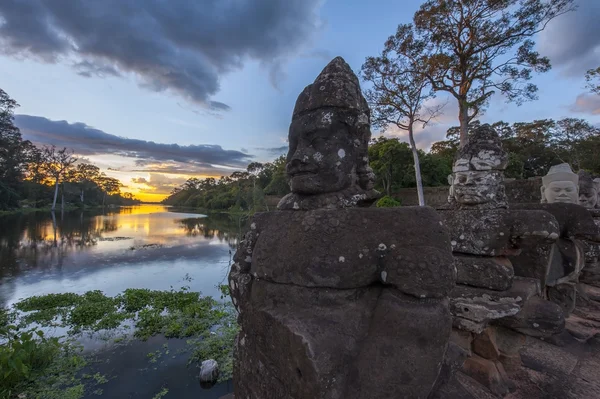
{"x": 156, "y": 91}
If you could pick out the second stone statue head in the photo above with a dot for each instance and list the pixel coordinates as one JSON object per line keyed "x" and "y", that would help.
{"x": 478, "y": 171}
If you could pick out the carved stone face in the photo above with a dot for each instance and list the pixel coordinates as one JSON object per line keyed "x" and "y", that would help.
{"x": 322, "y": 156}
{"x": 561, "y": 191}
{"x": 588, "y": 196}
{"x": 476, "y": 187}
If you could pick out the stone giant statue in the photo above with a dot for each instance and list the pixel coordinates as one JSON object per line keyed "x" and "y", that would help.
{"x": 560, "y": 185}
{"x": 336, "y": 300}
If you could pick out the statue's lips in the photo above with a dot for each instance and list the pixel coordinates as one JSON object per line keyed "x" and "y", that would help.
{"x": 298, "y": 173}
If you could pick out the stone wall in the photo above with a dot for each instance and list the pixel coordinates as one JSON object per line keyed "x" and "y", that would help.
{"x": 518, "y": 191}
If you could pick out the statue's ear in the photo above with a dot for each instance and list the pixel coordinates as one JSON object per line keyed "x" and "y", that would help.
{"x": 543, "y": 200}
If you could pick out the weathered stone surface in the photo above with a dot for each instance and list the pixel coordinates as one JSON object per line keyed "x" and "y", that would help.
{"x": 566, "y": 261}
{"x": 573, "y": 220}
{"x": 328, "y": 160}
{"x": 508, "y": 341}
{"x": 564, "y": 295}
{"x": 484, "y": 344}
{"x": 560, "y": 185}
{"x": 473, "y": 308}
{"x": 537, "y": 318}
{"x": 302, "y": 339}
{"x": 495, "y": 232}
{"x": 209, "y": 373}
{"x": 453, "y": 361}
{"x": 588, "y": 190}
{"x": 485, "y": 372}
{"x": 410, "y": 368}
{"x": 541, "y": 356}
{"x": 462, "y": 339}
{"x": 495, "y": 273}
{"x": 410, "y": 253}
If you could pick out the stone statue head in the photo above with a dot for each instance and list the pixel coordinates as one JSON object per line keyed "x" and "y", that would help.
{"x": 328, "y": 142}
{"x": 478, "y": 171}
{"x": 560, "y": 185}
{"x": 588, "y": 190}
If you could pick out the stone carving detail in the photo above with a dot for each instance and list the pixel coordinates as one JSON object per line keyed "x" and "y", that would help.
{"x": 588, "y": 190}
{"x": 336, "y": 300}
{"x": 478, "y": 172}
{"x": 328, "y": 162}
{"x": 560, "y": 185}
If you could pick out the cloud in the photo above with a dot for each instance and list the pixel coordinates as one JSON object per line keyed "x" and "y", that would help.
{"x": 572, "y": 41}
{"x": 587, "y": 104}
{"x": 85, "y": 140}
{"x": 184, "y": 46}
{"x": 274, "y": 150}
{"x": 159, "y": 183}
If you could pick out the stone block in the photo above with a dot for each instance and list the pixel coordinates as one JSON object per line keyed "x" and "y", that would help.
{"x": 484, "y": 344}
{"x": 453, "y": 361}
{"x": 486, "y": 373}
{"x": 462, "y": 338}
{"x": 410, "y": 253}
{"x": 547, "y": 358}
{"x": 384, "y": 368}
{"x": 495, "y": 273}
{"x": 564, "y": 295}
{"x": 537, "y": 318}
{"x": 508, "y": 341}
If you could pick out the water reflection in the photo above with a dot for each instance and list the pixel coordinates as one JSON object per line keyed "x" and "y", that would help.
{"x": 52, "y": 252}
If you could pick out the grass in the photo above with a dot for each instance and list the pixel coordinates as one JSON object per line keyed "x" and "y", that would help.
{"x": 52, "y": 367}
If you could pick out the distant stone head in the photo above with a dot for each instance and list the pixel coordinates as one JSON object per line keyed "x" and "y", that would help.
{"x": 327, "y": 162}
{"x": 478, "y": 171}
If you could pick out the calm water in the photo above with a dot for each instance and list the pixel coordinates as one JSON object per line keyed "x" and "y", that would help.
{"x": 146, "y": 246}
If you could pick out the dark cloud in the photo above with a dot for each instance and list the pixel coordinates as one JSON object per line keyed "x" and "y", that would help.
{"x": 180, "y": 45}
{"x": 274, "y": 150}
{"x": 139, "y": 180}
{"x": 85, "y": 140}
{"x": 572, "y": 41}
{"x": 587, "y": 104}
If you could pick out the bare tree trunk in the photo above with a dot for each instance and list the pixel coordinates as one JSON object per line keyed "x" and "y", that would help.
{"x": 415, "y": 153}
{"x": 81, "y": 196}
{"x": 463, "y": 118}
{"x": 55, "y": 193}
{"x": 62, "y": 201}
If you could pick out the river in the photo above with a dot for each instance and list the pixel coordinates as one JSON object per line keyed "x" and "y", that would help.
{"x": 145, "y": 246}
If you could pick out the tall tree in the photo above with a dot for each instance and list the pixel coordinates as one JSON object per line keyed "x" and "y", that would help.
{"x": 85, "y": 176}
{"x": 399, "y": 91}
{"x": 592, "y": 78}
{"x": 108, "y": 185}
{"x": 56, "y": 165}
{"x": 475, "y": 48}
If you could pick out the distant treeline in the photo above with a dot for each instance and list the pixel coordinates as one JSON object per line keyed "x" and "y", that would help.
{"x": 33, "y": 177}
{"x": 532, "y": 147}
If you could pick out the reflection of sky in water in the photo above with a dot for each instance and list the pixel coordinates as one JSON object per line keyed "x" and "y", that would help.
{"x": 137, "y": 247}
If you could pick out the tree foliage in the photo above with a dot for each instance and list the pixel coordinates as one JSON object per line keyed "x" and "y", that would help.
{"x": 472, "y": 49}
{"x": 592, "y": 78}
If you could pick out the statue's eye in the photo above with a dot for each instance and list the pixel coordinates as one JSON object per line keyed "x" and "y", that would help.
{"x": 556, "y": 190}
{"x": 568, "y": 189}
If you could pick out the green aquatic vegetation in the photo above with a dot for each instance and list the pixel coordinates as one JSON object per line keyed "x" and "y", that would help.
{"x": 210, "y": 326}
{"x": 161, "y": 393}
{"x": 38, "y": 367}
